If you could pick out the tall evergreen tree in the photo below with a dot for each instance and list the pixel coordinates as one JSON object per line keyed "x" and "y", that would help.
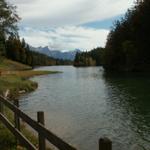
{"x": 127, "y": 47}
{"x": 8, "y": 23}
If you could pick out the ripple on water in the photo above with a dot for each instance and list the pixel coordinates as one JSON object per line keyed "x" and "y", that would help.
{"x": 82, "y": 104}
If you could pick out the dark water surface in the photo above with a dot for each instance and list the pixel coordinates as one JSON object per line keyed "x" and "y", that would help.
{"x": 83, "y": 104}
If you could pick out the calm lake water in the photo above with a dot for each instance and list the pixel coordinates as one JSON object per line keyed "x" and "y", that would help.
{"x": 83, "y": 104}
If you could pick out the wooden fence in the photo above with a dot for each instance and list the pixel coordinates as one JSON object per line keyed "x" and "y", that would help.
{"x": 43, "y": 133}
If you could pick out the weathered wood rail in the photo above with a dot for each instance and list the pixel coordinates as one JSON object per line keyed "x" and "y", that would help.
{"x": 38, "y": 126}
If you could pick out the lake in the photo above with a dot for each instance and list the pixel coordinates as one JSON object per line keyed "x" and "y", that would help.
{"x": 83, "y": 104}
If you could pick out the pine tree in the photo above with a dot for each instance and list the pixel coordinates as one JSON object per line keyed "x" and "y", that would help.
{"x": 127, "y": 47}
{"x": 8, "y": 26}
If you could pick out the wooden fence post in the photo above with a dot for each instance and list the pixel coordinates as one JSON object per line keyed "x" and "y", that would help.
{"x": 1, "y": 107}
{"x": 16, "y": 118}
{"x": 105, "y": 144}
{"x": 40, "y": 118}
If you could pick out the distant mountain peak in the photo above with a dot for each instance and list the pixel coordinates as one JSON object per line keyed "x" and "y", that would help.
{"x": 66, "y": 55}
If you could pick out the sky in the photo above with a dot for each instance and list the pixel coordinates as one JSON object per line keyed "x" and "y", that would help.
{"x": 68, "y": 24}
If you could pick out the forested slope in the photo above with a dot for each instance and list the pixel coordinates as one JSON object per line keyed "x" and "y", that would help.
{"x": 128, "y": 43}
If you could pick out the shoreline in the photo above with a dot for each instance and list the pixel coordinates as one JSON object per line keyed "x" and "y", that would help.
{"x": 14, "y": 82}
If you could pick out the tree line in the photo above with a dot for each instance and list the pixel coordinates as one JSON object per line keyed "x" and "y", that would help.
{"x": 91, "y": 58}
{"x": 12, "y": 47}
{"x": 8, "y": 25}
{"x": 128, "y": 43}
{"x": 20, "y": 51}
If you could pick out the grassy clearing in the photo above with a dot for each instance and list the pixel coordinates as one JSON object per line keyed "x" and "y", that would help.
{"x": 14, "y": 77}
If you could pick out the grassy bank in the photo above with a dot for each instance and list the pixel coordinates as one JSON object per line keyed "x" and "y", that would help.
{"x": 15, "y": 78}
{"x": 17, "y": 81}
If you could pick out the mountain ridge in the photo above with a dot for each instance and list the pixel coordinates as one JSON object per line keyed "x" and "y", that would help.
{"x": 66, "y": 55}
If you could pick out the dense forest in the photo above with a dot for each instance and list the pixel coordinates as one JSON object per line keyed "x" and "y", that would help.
{"x": 128, "y": 43}
{"x": 91, "y": 58}
{"x": 12, "y": 47}
{"x": 19, "y": 51}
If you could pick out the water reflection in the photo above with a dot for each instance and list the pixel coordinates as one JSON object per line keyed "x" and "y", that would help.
{"x": 83, "y": 104}
{"x": 130, "y": 94}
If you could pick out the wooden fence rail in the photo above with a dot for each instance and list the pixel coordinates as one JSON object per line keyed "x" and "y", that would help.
{"x": 43, "y": 133}
{"x": 36, "y": 125}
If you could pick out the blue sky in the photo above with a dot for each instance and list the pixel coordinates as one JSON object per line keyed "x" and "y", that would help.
{"x": 68, "y": 24}
{"x": 103, "y": 24}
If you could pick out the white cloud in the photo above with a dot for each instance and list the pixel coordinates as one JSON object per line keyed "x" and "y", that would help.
{"x": 68, "y": 12}
{"x": 57, "y": 23}
{"x": 66, "y": 38}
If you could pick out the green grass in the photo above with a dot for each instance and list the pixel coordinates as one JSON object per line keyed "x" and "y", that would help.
{"x": 16, "y": 81}
{"x": 8, "y": 140}
{"x": 15, "y": 78}
{"x": 15, "y": 84}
